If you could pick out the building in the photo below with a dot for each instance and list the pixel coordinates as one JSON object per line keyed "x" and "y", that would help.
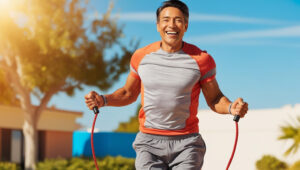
{"x": 258, "y": 136}
{"x": 55, "y": 131}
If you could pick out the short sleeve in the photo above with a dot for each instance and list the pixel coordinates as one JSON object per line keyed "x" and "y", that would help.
{"x": 134, "y": 65}
{"x": 139, "y": 55}
{"x": 133, "y": 72}
{"x": 207, "y": 68}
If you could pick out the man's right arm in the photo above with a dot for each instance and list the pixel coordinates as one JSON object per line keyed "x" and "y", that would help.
{"x": 125, "y": 95}
{"x": 121, "y": 97}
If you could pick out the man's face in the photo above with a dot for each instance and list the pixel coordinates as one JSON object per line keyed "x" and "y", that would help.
{"x": 171, "y": 26}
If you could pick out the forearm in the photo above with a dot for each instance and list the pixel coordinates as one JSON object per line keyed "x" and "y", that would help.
{"x": 121, "y": 97}
{"x": 220, "y": 104}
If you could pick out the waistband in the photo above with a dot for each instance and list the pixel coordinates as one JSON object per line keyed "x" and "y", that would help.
{"x": 167, "y": 137}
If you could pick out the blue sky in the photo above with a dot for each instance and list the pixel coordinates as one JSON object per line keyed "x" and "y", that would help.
{"x": 256, "y": 46}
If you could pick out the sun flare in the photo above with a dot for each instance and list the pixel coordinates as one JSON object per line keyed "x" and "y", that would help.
{"x": 7, "y": 5}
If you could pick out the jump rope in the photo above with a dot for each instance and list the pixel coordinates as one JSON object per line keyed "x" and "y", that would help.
{"x": 235, "y": 119}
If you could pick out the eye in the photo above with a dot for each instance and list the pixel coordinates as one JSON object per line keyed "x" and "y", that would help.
{"x": 179, "y": 20}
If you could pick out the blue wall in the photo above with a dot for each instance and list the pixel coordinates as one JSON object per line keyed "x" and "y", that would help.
{"x": 105, "y": 143}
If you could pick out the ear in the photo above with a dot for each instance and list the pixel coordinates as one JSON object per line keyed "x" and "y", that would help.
{"x": 157, "y": 27}
{"x": 186, "y": 26}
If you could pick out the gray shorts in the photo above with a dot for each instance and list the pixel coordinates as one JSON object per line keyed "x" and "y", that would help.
{"x": 155, "y": 152}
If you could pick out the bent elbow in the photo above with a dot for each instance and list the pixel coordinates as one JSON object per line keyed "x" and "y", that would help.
{"x": 131, "y": 97}
{"x": 134, "y": 98}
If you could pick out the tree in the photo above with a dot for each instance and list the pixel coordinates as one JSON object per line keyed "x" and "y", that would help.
{"x": 7, "y": 93}
{"x": 269, "y": 162}
{"x": 295, "y": 166}
{"x": 132, "y": 125}
{"x": 290, "y": 132}
{"x": 45, "y": 48}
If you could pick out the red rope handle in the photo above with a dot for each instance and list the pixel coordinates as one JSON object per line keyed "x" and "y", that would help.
{"x": 92, "y": 142}
{"x": 235, "y": 143}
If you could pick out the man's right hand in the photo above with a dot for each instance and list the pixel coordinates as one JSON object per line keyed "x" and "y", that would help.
{"x": 93, "y": 99}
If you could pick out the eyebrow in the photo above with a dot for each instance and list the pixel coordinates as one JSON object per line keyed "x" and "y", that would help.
{"x": 167, "y": 17}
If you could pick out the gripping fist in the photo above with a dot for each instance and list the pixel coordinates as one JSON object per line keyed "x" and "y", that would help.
{"x": 239, "y": 107}
{"x": 93, "y": 99}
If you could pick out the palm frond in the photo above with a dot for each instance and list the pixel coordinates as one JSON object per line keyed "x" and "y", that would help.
{"x": 291, "y": 132}
{"x": 288, "y": 132}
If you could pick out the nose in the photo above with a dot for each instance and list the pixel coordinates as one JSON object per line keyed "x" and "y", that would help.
{"x": 172, "y": 23}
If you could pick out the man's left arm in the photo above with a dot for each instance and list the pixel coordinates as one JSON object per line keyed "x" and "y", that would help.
{"x": 221, "y": 104}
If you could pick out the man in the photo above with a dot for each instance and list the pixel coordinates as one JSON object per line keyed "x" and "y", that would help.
{"x": 170, "y": 74}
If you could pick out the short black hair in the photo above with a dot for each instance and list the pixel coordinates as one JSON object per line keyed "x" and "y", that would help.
{"x": 174, "y": 3}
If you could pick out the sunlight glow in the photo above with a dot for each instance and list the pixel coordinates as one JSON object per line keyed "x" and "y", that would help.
{"x": 6, "y": 7}
{"x": 5, "y": 4}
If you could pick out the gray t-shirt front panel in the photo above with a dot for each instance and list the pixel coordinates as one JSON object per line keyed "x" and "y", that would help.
{"x": 168, "y": 80}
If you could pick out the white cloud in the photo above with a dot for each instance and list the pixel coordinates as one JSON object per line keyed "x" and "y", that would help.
{"x": 286, "y": 32}
{"x": 138, "y": 16}
{"x": 195, "y": 17}
{"x": 230, "y": 19}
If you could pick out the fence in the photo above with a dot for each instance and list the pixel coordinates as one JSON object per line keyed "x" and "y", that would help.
{"x": 105, "y": 143}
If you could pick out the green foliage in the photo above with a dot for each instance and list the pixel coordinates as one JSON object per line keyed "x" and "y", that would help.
{"x": 81, "y": 163}
{"x": 53, "y": 164}
{"x": 132, "y": 126}
{"x": 56, "y": 45}
{"x": 9, "y": 166}
{"x": 295, "y": 166}
{"x": 290, "y": 132}
{"x": 106, "y": 163}
{"x": 52, "y": 46}
{"x": 7, "y": 95}
{"x": 269, "y": 162}
{"x": 116, "y": 163}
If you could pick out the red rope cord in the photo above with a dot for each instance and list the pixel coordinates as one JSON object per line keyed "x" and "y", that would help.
{"x": 228, "y": 165}
{"x": 92, "y": 142}
{"x": 235, "y": 143}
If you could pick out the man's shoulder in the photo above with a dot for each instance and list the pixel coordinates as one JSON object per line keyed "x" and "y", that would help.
{"x": 192, "y": 49}
{"x": 148, "y": 48}
{"x": 140, "y": 53}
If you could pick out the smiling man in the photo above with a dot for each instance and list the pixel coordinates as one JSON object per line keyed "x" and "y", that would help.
{"x": 170, "y": 74}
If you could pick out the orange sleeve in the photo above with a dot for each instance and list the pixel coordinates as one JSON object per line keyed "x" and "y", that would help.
{"x": 207, "y": 68}
{"x": 138, "y": 55}
{"x": 134, "y": 62}
{"x": 205, "y": 62}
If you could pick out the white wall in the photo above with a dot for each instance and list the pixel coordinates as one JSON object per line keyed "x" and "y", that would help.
{"x": 258, "y": 133}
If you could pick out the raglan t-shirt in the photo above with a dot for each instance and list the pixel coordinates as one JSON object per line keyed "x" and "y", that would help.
{"x": 170, "y": 87}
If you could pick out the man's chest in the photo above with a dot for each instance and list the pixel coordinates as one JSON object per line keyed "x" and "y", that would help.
{"x": 175, "y": 73}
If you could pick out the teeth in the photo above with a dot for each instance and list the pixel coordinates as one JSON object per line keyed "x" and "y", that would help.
{"x": 169, "y": 32}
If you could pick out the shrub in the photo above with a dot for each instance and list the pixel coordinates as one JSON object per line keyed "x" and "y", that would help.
{"x": 52, "y": 164}
{"x": 116, "y": 163}
{"x": 269, "y": 162}
{"x": 81, "y": 164}
{"x": 295, "y": 166}
{"x": 106, "y": 163}
{"x": 8, "y": 166}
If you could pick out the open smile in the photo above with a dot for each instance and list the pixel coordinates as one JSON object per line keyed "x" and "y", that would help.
{"x": 172, "y": 33}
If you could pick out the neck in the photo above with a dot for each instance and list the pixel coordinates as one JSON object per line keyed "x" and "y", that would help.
{"x": 171, "y": 48}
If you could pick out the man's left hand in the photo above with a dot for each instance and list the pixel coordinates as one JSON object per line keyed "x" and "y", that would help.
{"x": 239, "y": 107}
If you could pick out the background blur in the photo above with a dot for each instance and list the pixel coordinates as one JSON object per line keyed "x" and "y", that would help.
{"x": 256, "y": 46}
